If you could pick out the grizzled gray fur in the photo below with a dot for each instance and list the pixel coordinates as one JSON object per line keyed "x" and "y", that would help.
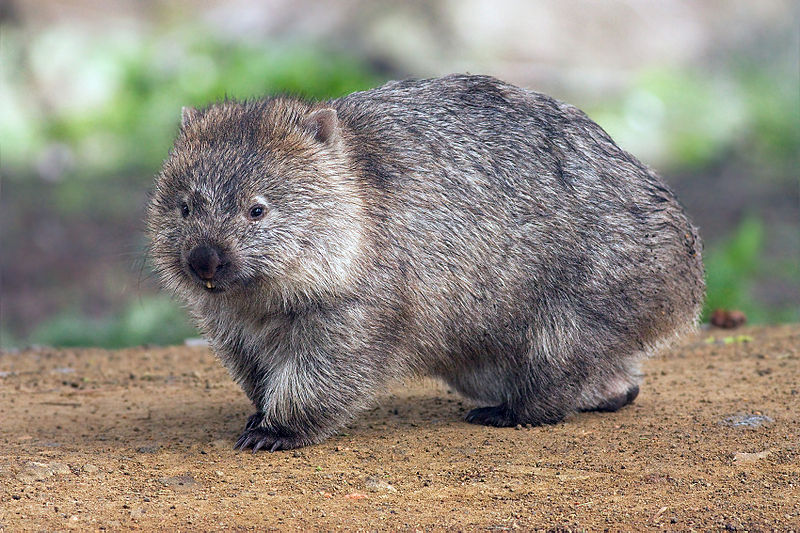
{"x": 458, "y": 227}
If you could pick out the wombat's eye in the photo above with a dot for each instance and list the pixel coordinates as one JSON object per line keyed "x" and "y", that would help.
{"x": 257, "y": 212}
{"x": 184, "y": 209}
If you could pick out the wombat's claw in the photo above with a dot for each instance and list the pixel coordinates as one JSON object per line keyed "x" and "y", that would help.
{"x": 254, "y": 420}
{"x": 263, "y": 438}
{"x": 498, "y": 416}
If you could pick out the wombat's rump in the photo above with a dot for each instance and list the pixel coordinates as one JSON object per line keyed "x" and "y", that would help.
{"x": 458, "y": 227}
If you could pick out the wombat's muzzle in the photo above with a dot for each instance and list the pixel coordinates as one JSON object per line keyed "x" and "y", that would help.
{"x": 206, "y": 262}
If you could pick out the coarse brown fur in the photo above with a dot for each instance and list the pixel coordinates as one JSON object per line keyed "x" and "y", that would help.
{"x": 457, "y": 227}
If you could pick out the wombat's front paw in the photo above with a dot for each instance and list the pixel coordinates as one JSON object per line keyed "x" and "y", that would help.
{"x": 266, "y": 438}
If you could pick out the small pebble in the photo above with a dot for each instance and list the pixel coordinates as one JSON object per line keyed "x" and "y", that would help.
{"x": 747, "y": 420}
{"x": 376, "y": 484}
{"x": 178, "y": 482}
{"x": 746, "y": 457}
{"x": 35, "y": 471}
{"x": 150, "y": 448}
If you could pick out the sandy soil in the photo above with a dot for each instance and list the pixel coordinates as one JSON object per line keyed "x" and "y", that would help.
{"x": 141, "y": 439}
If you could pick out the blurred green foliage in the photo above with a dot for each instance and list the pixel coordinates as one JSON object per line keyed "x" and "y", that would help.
{"x": 151, "y": 320}
{"x": 687, "y": 119}
{"x": 118, "y": 98}
{"x": 732, "y": 267}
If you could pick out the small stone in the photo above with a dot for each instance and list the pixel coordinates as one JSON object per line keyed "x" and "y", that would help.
{"x": 746, "y": 457}
{"x": 35, "y": 471}
{"x": 59, "y": 469}
{"x": 183, "y": 482}
{"x": 150, "y": 448}
{"x": 727, "y": 319}
{"x": 747, "y": 420}
{"x": 90, "y": 468}
{"x": 376, "y": 484}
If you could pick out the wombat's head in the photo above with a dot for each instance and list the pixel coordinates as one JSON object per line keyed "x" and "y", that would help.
{"x": 256, "y": 196}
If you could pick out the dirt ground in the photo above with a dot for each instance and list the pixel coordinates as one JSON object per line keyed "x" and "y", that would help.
{"x": 142, "y": 439}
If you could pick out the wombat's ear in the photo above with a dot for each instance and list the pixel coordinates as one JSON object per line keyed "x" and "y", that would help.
{"x": 323, "y": 124}
{"x": 188, "y": 115}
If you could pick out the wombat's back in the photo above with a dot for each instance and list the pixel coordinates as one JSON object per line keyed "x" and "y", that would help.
{"x": 517, "y": 221}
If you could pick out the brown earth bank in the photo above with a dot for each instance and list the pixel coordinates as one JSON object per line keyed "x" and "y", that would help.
{"x": 142, "y": 439}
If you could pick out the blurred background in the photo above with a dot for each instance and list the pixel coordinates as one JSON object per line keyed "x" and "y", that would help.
{"x": 707, "y": 92}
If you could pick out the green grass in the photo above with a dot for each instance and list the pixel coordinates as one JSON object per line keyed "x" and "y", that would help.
{"x": 153, "y": 320}
{"x": 733, "y": 265}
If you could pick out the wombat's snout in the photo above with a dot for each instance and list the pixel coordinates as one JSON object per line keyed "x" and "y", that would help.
{"x": 205, "y": 262}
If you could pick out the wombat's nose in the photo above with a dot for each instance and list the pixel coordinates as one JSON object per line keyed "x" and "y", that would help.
{"x": 204, "y": 260}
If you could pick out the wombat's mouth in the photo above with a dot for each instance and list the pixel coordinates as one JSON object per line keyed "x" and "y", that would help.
{"x": 224, "y": 284}
{"x": 213, "y": 286}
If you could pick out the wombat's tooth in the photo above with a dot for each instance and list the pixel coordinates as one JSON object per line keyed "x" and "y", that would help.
{"x": 209, "y": 285}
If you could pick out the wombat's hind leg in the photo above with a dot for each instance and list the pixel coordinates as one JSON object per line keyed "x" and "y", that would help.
{"x": 499, "y": 416}
{"x": 503, "y": 416}
{"x": 616, "y": 402}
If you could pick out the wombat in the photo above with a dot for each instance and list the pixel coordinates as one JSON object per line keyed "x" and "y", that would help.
{"x": 459, "y": 227}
